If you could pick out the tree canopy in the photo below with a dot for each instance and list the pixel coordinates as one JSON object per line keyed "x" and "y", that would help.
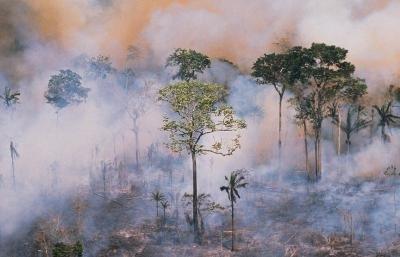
{"x": 65, "y": 88}
{"x": 189, "y": 63}
{"x": 99, "y": 67}
{"x": 200, "y": 110}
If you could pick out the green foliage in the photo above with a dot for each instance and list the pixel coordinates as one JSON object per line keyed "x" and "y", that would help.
{"x": 64, "y": 250}
{"x": 386, "y": 118}
{"x": 272, "y": 69}
{"x": 281, "y": 70}
{"x": 205, "y": 207}
{"x": 235, "y": 181}
{"x": 200, "y": 110}
{"x": 164, "y": 204}
{"x": 126, "y": 78}
{"x": 228, "y": 62}
{"x": 205, "y": 204}
{"x": 189, "y": 63}
{"x": 99, "y": 67}
{"x": 65, "y": 88}
{"x": 352, "y": 89}
{"x": 355, "y": 121}
{"x": 322, "y": 80}
{"x": 157, "y": 196}
{"x": 9, "y": 97}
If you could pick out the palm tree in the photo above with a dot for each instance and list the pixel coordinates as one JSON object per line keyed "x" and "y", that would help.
{"x": 164, "y": 205}
{"x": 386, "y": 118}
{"x": 355, "y": 121}
{"x": 235, "y": 181}
{"x": 158, "y": 197}
{"x": 9, "y": 97}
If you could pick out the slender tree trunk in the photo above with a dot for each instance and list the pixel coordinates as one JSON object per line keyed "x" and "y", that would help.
{"x": 13, "y": 170}
{"x": 104, "y": 180}
{"x": 317, "y": 152}
{"x": 339, "y": 133}
{"x": 232, "y": 227}
{"x": 395, "y": 211}
{"x": 372, "y": 123}
{"x": 348, "y": 142}
{"x": 306, "y": 147}
{"x": 136, "y": 132}
{"x": 137, "y": 150}
{"x": 195, "y": 206}
{"x": 157, "y": 207}
{"x": 316, "y": 158}
{"x": 164, "y": 214}
{"x": 280, "y": 128}
{"x": 383, "y": 133}
{"x": 319, "y": 156}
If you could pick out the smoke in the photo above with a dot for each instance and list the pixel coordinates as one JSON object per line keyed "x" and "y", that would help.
{"x": 40, "y": 37}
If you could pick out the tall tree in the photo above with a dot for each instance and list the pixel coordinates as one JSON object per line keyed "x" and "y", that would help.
{"x": 199, "y": 110}
{"x": 386, "y": 118}
{"x": 281, "y": 71}
{"x": 326, "y": 70}
{"x": 138, "y": 101}
{"x": 235, "y": 181}
{"x": 271, "y": 69}
{"x": 189, "y": 63}
{"x": 64, "y": 89}
{"x": 127, "y": 75}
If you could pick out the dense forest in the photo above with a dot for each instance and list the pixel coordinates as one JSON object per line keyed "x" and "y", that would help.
{"x": 129, "y": 133}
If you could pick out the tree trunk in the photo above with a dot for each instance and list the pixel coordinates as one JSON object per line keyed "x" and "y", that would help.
{"x": 319, "y": 156}
{"x": 395, "y": 209}
{"x": 339, "y": 133}
{"x": 348, "y": 142}
{"x": 195, "y": 206}
{"x": 372, "y": 123}
{"x": 104, "y": 179}
{"x": 157, "y": 207}
{"x": 306, "y": 147}
{"x": 232, "y": 227}
{"x": 13, "y": 170}
{"x": 280, "y": 127}
{"x": 137, "y": 150}
{"x": 383, "y": 133}
{"x": 317, "y": 152}
{"x": 136, "y": 132}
